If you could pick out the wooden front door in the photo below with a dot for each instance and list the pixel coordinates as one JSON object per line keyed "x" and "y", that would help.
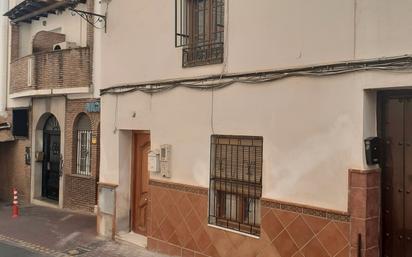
{"x": 397, "y": 176}
{"x": 140, "y": 182}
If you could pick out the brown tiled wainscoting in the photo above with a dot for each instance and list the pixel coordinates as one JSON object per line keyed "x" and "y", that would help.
{"x": 178, "y": 227}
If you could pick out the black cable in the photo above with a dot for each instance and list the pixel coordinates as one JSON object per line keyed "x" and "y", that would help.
{"x": 394, "y": 64}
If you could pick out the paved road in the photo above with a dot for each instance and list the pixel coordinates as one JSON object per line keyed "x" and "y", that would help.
{"x": 7, "y": 250}
{"x": 53, "y": 232}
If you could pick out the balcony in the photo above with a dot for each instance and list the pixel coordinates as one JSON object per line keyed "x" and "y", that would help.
{"x": 51, "y": 73}
{"x": 203, "y": 54}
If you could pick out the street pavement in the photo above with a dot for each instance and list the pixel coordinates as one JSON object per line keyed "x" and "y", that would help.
{"x": 49, "y": 232}
{"x": 7, "y": 250}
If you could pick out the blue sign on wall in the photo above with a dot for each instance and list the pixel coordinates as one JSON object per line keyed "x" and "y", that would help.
{"x": 93, "y": 106}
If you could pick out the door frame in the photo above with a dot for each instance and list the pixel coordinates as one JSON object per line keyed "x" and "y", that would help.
{"x": 134, "y": 173}
{"x": 39, "y": 119}
{"x": 381, "y": 97}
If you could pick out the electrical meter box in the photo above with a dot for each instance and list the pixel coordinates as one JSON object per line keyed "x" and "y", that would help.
{"x": 372, "y": 150}
{"x": 153, "y": 162}
{"x": 165, "y": 159}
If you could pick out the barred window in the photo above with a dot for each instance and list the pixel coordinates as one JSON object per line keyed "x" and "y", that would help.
{"x": 200, "y": 30}
{"x": 83, "y": 135}
{"x": 236, "y": 182}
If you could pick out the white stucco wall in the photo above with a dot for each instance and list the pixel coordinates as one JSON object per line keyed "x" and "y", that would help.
{"x": 313, "y": 128}
{"x": 139, "y": 43}
{"x": 74, "y": 27}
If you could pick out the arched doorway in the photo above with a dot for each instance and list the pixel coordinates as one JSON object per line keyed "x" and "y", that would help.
{"x": 51, "y": 166}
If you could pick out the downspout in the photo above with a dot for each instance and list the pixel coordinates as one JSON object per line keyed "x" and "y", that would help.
{"x": 4, "y": 6}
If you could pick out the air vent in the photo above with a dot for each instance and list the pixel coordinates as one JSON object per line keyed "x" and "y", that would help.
{"x": 64, "y": 45}
{"x": 5, "y": 125}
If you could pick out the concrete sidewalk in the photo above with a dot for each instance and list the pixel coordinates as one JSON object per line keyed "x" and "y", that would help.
{"x": 56, "y": 232}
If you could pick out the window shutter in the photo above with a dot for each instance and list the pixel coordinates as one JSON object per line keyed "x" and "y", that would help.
{"x": 181, "y": 23}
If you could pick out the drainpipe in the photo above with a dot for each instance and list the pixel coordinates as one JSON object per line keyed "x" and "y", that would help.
{"x": 4, "y": 6}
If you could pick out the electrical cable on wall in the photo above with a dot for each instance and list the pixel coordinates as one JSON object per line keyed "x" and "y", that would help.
{"x": 215, "y": 82}
{"x": 224, "y": 67}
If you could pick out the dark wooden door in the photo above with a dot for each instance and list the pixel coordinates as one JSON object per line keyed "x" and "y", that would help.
{"x": 140, "y": 182}
{"x": 51, "y": 159}
{"x": 397, "y": 177}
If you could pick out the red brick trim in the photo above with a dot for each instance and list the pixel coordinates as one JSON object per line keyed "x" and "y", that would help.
{"x": 365, "y": 208}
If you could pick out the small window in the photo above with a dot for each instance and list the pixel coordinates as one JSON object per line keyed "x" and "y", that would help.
{"x": 21, "y": 122}
{"x": 200, "y": 30}
{"x": 83, "y": 135}
{"x": 236, "y": 183}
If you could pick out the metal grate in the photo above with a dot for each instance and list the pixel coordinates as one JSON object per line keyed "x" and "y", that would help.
{"x": 236, "y": 182}
{"x": 199, "y": 27}
{"x": 203, "y": 55}
{"x": 83, "y": 152}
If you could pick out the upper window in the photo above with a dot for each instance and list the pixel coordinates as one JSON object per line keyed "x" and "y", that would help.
{"x": 236, "y": 183}
{"x": 83, "y": 135}
{"x": 200, "y": 30}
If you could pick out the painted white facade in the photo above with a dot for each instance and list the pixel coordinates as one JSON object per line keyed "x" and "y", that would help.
{"x": 313, "y": 128}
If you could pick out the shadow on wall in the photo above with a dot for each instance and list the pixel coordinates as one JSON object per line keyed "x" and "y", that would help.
{"x": 13, "y": 171}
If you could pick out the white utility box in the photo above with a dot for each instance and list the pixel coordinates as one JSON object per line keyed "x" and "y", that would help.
{"x": 165, "y": 160}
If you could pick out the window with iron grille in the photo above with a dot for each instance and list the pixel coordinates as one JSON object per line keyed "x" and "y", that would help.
{"x": 200, "y": 30}
{"x": 83, "y": 151}
{"x": 236, "y": 182}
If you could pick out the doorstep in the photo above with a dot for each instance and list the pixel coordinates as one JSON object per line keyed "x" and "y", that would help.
{"x": 45, "y": 202}
{"x": 133, "y": 238}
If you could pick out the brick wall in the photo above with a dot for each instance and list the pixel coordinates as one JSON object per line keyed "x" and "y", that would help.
{"x": 90, "y": 35}
{"x": 15, "y": 38}
{"x": 58, "y": 69}
{"x": 43, "y": 41}
{"x": 13, "y": 170}
{"x": 90, "y": 28}
{"x": 80, "y": 191}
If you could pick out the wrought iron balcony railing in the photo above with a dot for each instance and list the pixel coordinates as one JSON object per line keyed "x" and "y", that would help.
{"x": 203, "y": 54}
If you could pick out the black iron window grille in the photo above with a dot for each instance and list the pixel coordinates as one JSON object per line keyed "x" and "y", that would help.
{"x": 83, "y": 139}
{"x": 83, "y": 152}
{"x": 199, "y": 28}
{"x": 236, "y": 182}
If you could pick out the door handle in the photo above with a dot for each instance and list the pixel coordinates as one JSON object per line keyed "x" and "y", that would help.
{"x": 61, "y": 165}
